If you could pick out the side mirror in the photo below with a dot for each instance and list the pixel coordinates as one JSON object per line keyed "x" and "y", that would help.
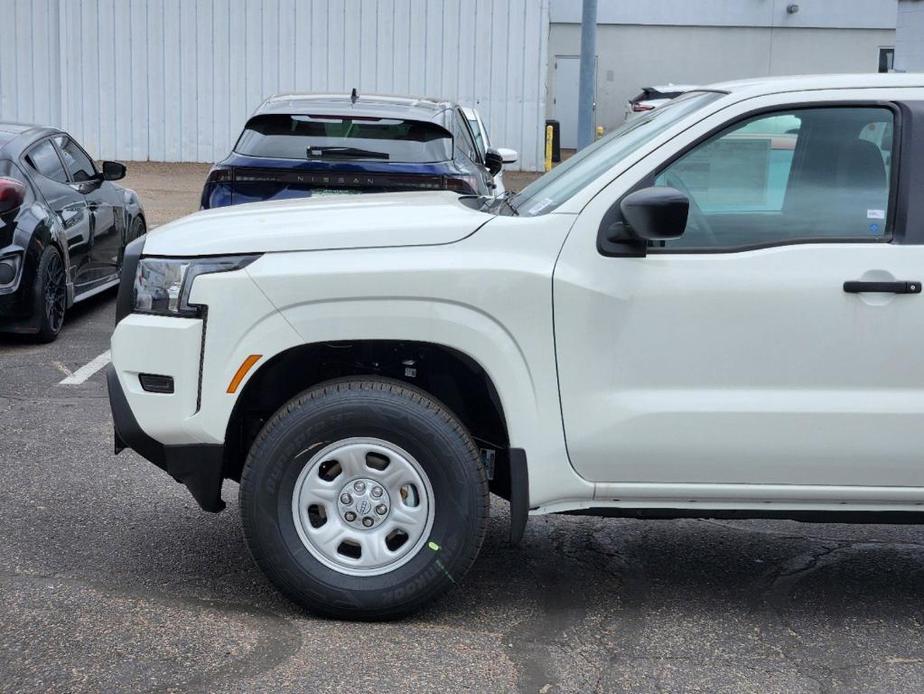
{"x": 493, "y": 162}
{"x": 113, "y": 171}
{"x": 656, "y": 214}
{"x": 12, "y": 194}
{"x": 509, "y": 156}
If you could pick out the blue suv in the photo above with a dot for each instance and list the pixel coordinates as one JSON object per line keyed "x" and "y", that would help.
{"x": 300, "y": 145}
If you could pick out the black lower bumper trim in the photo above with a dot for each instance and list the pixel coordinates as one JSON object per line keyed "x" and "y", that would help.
{"x": 198, "y": 466}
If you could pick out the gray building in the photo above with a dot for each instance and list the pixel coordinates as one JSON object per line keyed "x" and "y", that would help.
{"x": 909, "y": 36}
{"x": 642, "y": 43}
{"x": 174, "y": 80}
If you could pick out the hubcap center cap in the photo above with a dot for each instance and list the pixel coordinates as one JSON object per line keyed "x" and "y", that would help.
{"x": 363, "y": 503}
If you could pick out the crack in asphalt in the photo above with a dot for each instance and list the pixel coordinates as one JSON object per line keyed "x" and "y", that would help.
{"x": 779, "y": 583}
{"x": 774, "y": 590}
{"x": 553, "y": 629}
{"x": 794, "y": 536}
{"x": 563, "y": 563}
{"x": 559, "y": 610}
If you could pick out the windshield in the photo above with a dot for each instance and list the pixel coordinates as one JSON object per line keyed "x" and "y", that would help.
{"x": 566, "y": 179}
{"x": 333, "y": 137}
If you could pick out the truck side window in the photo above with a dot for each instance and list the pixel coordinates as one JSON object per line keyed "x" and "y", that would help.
{"x": 802, "y": 175}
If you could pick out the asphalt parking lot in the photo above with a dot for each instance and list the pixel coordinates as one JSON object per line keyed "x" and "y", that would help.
{"x": 112, "y": 579}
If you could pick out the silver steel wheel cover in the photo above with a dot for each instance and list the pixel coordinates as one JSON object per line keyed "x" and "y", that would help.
{"x": 386, "y": 500}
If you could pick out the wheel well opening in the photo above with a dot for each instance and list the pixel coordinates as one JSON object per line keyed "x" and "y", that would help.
{"x": 448, "y": 375}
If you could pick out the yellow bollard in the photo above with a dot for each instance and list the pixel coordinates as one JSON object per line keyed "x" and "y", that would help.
{"x": 600, "y": 131}
{"x": 548, "y": 147}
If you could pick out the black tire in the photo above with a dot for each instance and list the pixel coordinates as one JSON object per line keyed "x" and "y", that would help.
{"x": 138, "y": 228}
{"x": 50, "y": 294}
{"x": 386, "y": 410}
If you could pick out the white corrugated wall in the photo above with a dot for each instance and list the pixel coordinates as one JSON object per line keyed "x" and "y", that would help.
{"x": 30, "y": 85}
{"x": 174, "y": 80}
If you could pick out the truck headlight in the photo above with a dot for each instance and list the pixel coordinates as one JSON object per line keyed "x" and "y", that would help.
{"x": 162, "y": 285}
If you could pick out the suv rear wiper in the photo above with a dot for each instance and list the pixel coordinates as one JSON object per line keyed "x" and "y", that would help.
{"x": 346, "y": 152}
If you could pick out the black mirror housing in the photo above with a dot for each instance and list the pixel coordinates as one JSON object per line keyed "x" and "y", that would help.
{"x": 658, "y": 213}
{"x": 113, "y": 171}
{"x": 493, "y": 161}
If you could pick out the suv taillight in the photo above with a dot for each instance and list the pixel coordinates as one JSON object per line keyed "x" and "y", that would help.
{"x": 220, "y": 174}
{"x": 462, "y": 184}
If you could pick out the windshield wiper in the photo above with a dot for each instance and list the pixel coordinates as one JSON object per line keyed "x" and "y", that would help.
{"x": 345, "y": 152}
{"x": 508, "y": 201}
{"x": 492, "y": 204}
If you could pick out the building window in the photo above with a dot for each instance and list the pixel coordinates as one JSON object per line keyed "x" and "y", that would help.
{"x": 886, "y": 59}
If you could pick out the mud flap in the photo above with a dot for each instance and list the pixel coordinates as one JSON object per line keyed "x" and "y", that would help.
{"x": 519, "y": 494}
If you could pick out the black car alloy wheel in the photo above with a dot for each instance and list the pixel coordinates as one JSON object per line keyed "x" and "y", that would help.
{"x": 51, "y": 293}
{"x": 54, "y": 292}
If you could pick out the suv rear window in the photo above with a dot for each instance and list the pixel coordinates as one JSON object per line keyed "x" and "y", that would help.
{"x": 344, "y": 138}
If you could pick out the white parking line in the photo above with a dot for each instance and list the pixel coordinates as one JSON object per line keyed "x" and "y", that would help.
{"x": 87, "y": 370}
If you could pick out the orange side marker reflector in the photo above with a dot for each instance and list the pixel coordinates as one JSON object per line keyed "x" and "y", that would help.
{"x": 242, "y": 371}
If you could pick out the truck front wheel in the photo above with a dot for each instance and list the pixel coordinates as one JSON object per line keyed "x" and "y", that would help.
{"x": 363, "y": 499}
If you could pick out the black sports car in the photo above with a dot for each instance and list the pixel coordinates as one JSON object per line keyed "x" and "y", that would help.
{"x": 63, "y": 227}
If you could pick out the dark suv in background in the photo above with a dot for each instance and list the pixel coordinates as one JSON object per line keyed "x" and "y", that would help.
{"x": 300, "y": 145}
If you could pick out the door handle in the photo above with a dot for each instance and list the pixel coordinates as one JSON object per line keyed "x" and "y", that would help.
{"x": 859, "y": 287}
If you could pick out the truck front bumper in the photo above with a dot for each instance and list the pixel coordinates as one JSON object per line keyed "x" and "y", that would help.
{"x": 198, "y": 466}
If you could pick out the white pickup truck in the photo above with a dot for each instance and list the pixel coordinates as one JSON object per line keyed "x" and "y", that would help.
{"x": 713, "y": 311}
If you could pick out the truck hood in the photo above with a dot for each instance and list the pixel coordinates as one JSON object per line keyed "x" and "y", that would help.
{"x": 320, "y": 223}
